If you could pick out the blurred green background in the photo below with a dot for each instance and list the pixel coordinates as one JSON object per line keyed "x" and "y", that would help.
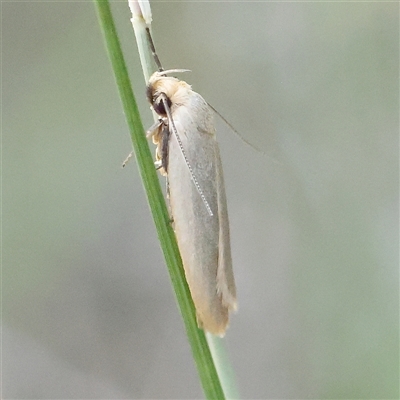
{"x": 87, "y": 308}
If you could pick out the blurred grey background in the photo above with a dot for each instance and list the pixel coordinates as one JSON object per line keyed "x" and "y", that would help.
{"x": 87, "y": 307}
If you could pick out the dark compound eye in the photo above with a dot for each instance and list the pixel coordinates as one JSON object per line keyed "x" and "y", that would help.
{"x": 159, "y": 104}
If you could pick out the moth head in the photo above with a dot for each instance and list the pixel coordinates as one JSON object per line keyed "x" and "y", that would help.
{"x": 163, "y": 89}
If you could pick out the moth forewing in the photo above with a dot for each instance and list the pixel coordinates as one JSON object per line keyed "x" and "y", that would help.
{"x": 225, "y": 279}
{"x": 202, "y": 236}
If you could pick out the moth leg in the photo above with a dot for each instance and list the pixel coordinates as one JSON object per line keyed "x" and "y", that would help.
{"x": 130, "y": 155}
{"x": 171, "y": 217}
{"x": 153, "y": 130}
{"x": 158, "y": 164}
{"x": 165, "y": 136}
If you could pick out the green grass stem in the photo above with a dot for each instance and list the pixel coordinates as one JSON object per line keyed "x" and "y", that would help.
{"x": 201, "y": 352}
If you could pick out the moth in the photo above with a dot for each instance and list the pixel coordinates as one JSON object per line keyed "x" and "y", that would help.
{"x": 188, "y": 154}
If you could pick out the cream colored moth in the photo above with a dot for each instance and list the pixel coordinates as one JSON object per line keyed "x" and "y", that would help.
{"x": 188, "y": 154}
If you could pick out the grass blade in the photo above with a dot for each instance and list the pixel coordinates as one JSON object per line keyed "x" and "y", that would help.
{"x": 201, "y": 352}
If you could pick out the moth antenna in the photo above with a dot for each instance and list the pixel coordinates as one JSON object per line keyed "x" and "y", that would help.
{"x": 153, "y": 50}
{"x": 172, "y": 71}
{"x": 194, "y": 179}
{"x": 235, "y": 130}
{"x": 157, "y": 60}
